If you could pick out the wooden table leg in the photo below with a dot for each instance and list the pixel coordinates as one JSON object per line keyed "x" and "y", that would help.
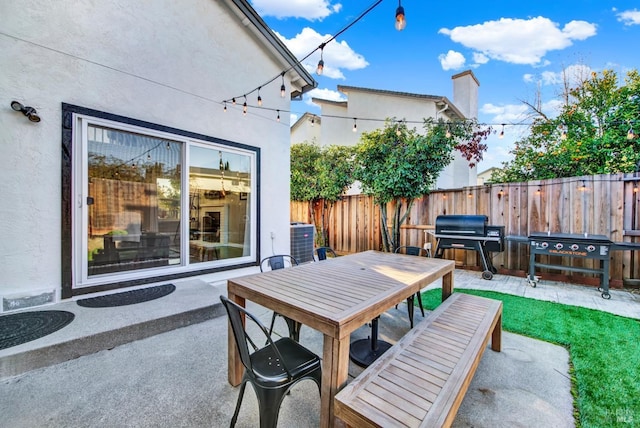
{"x": 335, "y": 373}
{"x": 236, "y": 369}
{"x": 447, "y": 285}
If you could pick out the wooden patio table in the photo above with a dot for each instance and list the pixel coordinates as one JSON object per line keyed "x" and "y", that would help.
{"x": 336, "y": 297}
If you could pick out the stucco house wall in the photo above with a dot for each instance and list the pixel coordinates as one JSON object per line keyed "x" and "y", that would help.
{"x": 376, "y": 104}
{"x": 166, "y": 62}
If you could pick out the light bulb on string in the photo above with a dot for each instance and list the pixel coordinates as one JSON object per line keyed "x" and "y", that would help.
{"x": 401, "y": 21}
{"x": 233, "y": 101}
{"x": 278, "y": 118}
{"x": 283, "y": 89}
{"x": 313, "y": 121}
{"x": 448, "y": 133}
{"x": 244, "y": 106}
{"x": 501, "y": 135}
{"x": 259, "y": 98}
{"x": 355, "y": 125}
{"x": 563, "y": 136}
{"x": 320, "y": 68}
{"x": 225, "y": 107}
{"x": 630, "y": 134}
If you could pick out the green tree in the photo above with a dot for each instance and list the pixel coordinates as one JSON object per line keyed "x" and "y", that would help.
{"x": 319, "y": 176}
{"x": 397, "y": 165}
{"x": 593, "y": 134}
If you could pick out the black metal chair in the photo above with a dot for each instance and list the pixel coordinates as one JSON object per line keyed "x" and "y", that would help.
{"x": 272, "y": 369}
{"x": 276, "y": 262}
{"x": 413, "y": 251}
{"x": 324, "y": 253}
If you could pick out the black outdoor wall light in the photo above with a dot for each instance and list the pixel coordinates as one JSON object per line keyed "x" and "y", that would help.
{"x": 30, "y": 112}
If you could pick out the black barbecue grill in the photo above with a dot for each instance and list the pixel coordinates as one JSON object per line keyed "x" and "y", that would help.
{"x": 470, "y": 232}
{"x": 585, "y": 246}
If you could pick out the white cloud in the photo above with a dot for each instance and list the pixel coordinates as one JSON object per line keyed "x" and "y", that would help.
{"x": 336, "y": 55}
{"x": 629, "y": 17}
{"x": 519, "y": 41}
{"x": 452, "y": 60}
{"x": 293, "y": 118}
{"x": 508, "y": 113}
{"x": 325, "y": 94}
{"x": 573, "y": 75}
{"x": 480, "y": 58}
{"x": 306, "y": 9}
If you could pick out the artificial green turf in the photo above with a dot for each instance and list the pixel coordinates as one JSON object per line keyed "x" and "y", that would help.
{"x": 604, "y": 351}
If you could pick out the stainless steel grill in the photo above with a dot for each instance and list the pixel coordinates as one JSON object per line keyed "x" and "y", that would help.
{"x": 470, "y": 232}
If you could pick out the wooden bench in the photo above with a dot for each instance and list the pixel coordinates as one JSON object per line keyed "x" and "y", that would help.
{"x": 422, "y": 379}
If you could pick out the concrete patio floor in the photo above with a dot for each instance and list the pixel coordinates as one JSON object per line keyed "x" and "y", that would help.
{"x": 178, "y": 378}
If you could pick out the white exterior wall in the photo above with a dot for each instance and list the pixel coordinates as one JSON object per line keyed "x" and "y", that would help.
{"x": 165, "y": 62}
{"x": 304, "y": 132}
{"x": 364, "y": 104}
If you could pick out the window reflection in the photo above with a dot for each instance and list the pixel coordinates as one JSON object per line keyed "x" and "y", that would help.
{"x": 134, "y": 203}
{"x": 219, "y": 189}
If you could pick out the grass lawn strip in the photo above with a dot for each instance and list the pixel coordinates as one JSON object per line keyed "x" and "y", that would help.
{"x": 604, "y": 351}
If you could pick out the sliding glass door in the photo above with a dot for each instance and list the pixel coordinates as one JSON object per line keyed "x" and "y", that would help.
{"x": 140, "y": 213}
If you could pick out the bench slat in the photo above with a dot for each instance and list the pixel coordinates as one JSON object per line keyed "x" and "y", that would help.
{"x": 430, "y": 368}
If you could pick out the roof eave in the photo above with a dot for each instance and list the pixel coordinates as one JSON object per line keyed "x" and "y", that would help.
{"x": 278, "y": 47}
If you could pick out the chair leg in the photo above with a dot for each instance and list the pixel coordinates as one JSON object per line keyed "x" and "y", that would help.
{"x": 419, "y": 296}
{"x": 273, "y": 322}
{"x": 269, "y": 401}
{"x": 410, "y": 310}
{"x": 294, "y": 329}
{"x": 238, "y": 404}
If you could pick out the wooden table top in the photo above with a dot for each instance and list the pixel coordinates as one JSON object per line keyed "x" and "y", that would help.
{"x": 339, "y": 295}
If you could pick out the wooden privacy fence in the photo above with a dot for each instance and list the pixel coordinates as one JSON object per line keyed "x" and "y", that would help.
{"x": 603, "y": 205}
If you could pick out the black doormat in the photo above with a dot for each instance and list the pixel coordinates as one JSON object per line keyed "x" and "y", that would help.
{"x": 128, "y": 297}
{"x": 16, "y": 329}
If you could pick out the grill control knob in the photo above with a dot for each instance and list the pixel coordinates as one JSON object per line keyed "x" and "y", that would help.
{"x": 559, "y": 246}
{"x": 544, "y": 244}
{"x": 591, "y": 248}
{"x": 575, "y": 247}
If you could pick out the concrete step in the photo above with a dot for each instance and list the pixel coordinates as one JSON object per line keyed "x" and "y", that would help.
{"x": 97, "y": 329}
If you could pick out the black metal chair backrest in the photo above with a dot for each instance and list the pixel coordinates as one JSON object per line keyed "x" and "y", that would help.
{"x": 411, "y": 250}
{"x": 243, "y": 340}
{"x": 279, "y": 261}
{"x": 325, "y": 252}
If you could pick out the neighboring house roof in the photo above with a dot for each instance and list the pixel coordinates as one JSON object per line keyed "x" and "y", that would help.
{"x": 306, "y": 117}
{"x": 439, "y": 100}
{"x": 323, "y": 101}
{"x": 298, "y": 74}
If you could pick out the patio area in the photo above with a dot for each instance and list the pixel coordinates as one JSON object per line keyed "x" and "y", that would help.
{"x": 179, "y": 377}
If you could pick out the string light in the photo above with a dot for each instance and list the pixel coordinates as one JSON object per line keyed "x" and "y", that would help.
{"x": 244, "y": 106}
{"x": 313, "y": 121}
{"x": 401, "y": 21}
{"x": 320, "y": 68}
{"x": 355, "y": 125}
{"x": 583, "y": 187}
{"x": 635, "y": 188}
{"x": 225, "y": 107}
{"x": 630, "y": 134}
{"x": 563, "y": 136}
{"x": 448, "y": 133}
{"x": 539, "y": 190}
{"x": 278, "y": 118}
{"x": 259, "y": 97}
{"x": 501, "y": 132}
{"x": 283, "y": 89}
{"x": 233, "y": 101}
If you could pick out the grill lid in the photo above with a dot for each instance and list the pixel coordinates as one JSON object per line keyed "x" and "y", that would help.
{"x": 462, "y": 225}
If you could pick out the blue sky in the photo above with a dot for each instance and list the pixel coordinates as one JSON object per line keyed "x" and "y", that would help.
{"x": 515, "y": 49}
